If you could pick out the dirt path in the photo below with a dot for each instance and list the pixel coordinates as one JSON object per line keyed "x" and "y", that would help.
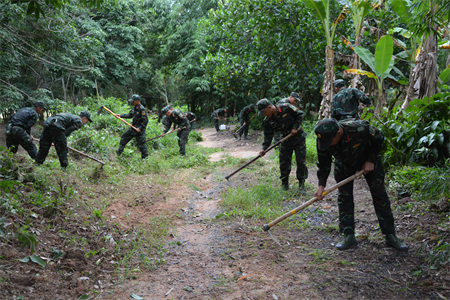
{"x": 219, "y": 259}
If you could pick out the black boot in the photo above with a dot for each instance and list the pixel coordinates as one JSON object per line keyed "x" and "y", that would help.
{"x": 393, "y": 241}
{"x": 301, "y": 186}
{"x": 285, "y": 184}
{"x": 348, "y": 241}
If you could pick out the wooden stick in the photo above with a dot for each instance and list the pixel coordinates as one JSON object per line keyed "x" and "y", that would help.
{"x": 119, "y": 118}
{"x": 314, "y": 199}
{"x": 81, "y": 153}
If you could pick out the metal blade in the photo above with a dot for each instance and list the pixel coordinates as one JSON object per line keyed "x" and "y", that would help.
{"x": 274, "y": 238}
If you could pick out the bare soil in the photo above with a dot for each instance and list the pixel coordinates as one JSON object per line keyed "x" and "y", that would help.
{"x": 219, "y": 258}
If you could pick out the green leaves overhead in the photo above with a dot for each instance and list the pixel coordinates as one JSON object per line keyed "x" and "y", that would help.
{"x": 383, "y": 55}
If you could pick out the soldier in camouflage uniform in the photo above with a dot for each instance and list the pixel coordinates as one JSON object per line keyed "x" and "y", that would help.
{"x": 345, "y": 103}
{"x": 221, "y": 112}
{"x": 192, "y": 119}
{"x": 244, "y": 117}
{"x": 355, "y": 145}
{"x": 140, "y": 120}
{"x": 176, "y": 117}
{"x": 286, "y": 119}
{"x": 292, "y": 99}
{"x": 56, "y": 130}
{"x": 18, "y": 130}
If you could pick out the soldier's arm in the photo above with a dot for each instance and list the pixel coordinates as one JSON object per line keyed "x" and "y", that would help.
{"x": 128, "y": 115}
{"x": 376, "y": 140}
{"x": 268, "y": 135}
{"x": 361, "y": 97}
{"x": 31, "y": 121}
{"x": 76, "y": 124}
{"x": 297, "y": 114}
{"x": 167, "y": 125}
{"x": 143, "y": 120}
{"x": 324, "y": 166}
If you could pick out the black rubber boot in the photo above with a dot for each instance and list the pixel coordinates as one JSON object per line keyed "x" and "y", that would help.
{"x": 348, "y": 241}
{"x": 285, "y": 184}
{"x": 246, "y": 138}
{"x": 393, "y": 241}
{"x": 301, "y": 186}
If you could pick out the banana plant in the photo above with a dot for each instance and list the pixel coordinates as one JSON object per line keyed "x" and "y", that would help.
{"x": 381, "y": 65}
{"x": 321, "y": 10}
{"x": 358, "y": 10}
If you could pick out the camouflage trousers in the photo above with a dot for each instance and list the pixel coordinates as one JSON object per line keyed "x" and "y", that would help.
{"x": 375, "y": 180}
{"x": 287, "y": 148}
{"x": 140, "y": 140}
{"x": 216, "y": 124}
{"x": 55, "y": 135}
{"x": 193, "y": 125}
{"x": 183, "y": 136}
{"x": 245, "y": 129}
{"x": 18, "y": 136}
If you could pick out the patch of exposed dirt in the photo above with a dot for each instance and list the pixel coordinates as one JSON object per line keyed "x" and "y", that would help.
{"x": 220, "y": 259}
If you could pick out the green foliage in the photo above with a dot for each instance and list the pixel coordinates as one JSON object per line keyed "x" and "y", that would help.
{"x": 27, "y": 239}
{"x": 267, "y": 49}
{"x": 430, "y": 183}
{"x": 421, "y": 133}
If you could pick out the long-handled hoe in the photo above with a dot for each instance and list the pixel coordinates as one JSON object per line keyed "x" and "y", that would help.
{"x": 104, "y": 107}
{"x": 81, "y": 153}
{"x": 175, "y": 130}
{"x": 259, "y": 155}
{"x": 267, "y": 227}
{"x": 242, "y": 127}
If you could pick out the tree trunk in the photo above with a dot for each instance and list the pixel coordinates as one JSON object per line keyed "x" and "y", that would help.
{"x": 327, "y": 89}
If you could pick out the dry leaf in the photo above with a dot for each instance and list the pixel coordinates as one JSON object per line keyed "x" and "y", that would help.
{"x": 243, "y": 277}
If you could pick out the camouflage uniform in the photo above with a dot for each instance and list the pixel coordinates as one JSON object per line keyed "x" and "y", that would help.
{"x": 140, "y": 120}
{"x": 191, "y": 116}
{"x": 244, "y": 117}
{"x": 18, "y": 131}
{"x": 277, "y": 134}
{"x": 216, "y": 114}
{"x": 180, "y": 120}
{"x": 361, "y": 142}
{"x": 56, "y": 130}
{"x": 287, "y": 118}
{"x": 345, "y": 104}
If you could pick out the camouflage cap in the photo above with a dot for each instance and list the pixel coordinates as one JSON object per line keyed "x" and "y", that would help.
{"x": 295, "y": 96}
{"x": 325, "y": 130}
{"x": 225, "y": 108}
{"x": 39, "y": 104}
{"x": 86, "y": 115}
{"x": 166, "y": 109}
{"x": 262, "y": 104}
{"x": 136, "y": 97}
{"x": 339, "y": 83}
{"x": 252, "y": 107}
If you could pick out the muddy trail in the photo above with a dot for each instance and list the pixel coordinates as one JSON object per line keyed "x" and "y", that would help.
{"x": 212, "y": 257}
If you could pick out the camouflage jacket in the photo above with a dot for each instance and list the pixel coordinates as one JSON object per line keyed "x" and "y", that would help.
{"x": 65, "y": 121}
{"x": 191, "y": 116}
{"x": 245, "y": 112}
{"x": 177, "y": 118}
{"x": 25, "y": 117}
{"x": 139, "y": 115}
{"x": 361, "y": 142}
{"x": 286, "y": 118}
{"x": 218, "y": 112}
{"x": 345, "y": 103}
